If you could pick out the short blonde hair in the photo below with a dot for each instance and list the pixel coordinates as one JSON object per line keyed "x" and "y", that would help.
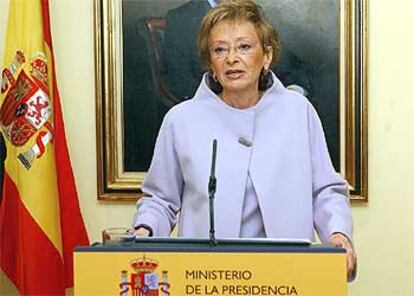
{"x": 237, "y": 10}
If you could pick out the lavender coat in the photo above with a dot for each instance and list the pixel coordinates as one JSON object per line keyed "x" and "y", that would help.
{"x": 297, "y": 187}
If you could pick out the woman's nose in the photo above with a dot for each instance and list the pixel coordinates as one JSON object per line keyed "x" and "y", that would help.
{"x": 232, "y": 56}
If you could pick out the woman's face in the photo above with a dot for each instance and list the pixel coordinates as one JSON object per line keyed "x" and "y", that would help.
{"x": 237, "y": 56}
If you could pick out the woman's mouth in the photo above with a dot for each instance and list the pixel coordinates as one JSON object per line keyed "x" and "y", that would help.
{"x": 234, "y": 74}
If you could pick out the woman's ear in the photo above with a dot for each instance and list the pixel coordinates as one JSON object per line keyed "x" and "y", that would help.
{"x": 268, "y": 57}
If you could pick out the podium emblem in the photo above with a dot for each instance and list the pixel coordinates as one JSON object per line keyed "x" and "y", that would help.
{"x": 144, "y": 279}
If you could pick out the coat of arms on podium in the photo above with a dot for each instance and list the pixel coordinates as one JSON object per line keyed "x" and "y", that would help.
{"x": 144, "y": 280}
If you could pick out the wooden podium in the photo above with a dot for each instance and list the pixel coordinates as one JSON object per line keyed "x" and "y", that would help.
{"x": 179, "y": 267}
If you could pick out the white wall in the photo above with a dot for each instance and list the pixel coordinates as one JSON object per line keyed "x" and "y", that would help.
{"x": 73, "y": 38}
{"x": 384, "y": 228}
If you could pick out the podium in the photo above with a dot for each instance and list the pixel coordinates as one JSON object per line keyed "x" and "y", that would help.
{"x": 179, "y": 267}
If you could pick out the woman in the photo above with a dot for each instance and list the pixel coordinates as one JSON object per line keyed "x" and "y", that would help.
{"x": 274, "y": 175}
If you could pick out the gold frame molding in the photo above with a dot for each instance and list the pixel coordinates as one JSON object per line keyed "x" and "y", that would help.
{"x": 114, "y": 184}
{"x": 355, "y": 97}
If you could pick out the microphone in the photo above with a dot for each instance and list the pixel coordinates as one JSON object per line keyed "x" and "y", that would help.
{"x": 212, "y": 184}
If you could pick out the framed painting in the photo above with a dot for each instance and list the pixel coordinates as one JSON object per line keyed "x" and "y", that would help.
{"x": 146, "y": 62}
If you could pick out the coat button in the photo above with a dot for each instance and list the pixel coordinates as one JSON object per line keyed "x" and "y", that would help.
{"x": 245, "y": 142}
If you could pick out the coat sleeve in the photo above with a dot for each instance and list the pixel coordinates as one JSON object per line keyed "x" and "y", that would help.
{"x": 331, "y": 207}
{"x": 162, "y": 186}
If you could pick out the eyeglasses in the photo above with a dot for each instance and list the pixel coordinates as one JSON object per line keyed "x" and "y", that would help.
{"x": 242, "y": 48}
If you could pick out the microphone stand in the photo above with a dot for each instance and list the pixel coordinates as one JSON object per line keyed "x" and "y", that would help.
{"x": 212, "y": 184}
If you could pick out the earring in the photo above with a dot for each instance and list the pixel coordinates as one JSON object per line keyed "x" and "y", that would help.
{"x": 265, "y": 79}
{"x": 213, "y": 82}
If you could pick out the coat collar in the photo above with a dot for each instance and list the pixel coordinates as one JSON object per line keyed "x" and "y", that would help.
{"x": 269, "y": 96}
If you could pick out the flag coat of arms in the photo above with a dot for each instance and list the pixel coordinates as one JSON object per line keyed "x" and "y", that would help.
{"x": 40, "y": 219}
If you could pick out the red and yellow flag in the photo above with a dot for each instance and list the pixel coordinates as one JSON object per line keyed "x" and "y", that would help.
{"x": 40, "y": 219}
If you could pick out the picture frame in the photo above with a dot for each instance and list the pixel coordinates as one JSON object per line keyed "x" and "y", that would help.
{"x": 132, "y": 95}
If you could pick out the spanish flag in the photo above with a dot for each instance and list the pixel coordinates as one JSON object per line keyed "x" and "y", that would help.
{"x": 40, "y": 219}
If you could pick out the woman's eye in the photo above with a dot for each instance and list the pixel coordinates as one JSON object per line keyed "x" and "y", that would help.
{"x": 244, "y": 47}
{"x": 219, "y": 50}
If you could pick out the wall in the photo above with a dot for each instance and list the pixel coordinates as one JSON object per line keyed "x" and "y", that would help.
{"x": 384, "y": 228}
